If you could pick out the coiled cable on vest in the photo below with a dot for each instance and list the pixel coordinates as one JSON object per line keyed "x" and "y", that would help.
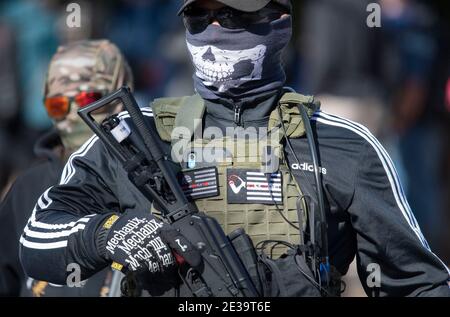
{"x": 265, "y": 260}
{"x": 324, "y": 265}
{"x": 262, "y": 245}
{"x": 324, "y": 259}
{"x": 318, "y": 285}
{"x": 286, "y": 219}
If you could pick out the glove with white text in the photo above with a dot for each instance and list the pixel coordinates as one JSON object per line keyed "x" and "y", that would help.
{"x": 138, "y": 241}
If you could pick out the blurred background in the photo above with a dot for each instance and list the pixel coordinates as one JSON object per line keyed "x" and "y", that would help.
{"x": 395, "y": 79}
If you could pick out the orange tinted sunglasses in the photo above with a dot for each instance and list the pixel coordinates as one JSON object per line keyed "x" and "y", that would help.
{"x": 59, "y": 106}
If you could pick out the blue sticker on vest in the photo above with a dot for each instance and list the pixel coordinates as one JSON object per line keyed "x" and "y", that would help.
{"x": 251, "y": 186}
{"x": 199, "y": 183}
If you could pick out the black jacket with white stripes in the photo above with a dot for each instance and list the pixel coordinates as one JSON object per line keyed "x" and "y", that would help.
{"x": 15, "y": 210}
{"x": 368, "y": 214}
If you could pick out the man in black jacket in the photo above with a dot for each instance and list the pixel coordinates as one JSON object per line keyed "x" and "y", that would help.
{"x": 70, "y": 85}
{"x": 95, "y": 217}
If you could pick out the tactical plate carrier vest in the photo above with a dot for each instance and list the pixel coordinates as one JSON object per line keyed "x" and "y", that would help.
{"x": 242, "y": 182}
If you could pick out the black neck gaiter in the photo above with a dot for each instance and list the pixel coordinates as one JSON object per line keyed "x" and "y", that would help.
{"x": 235, "y": 64}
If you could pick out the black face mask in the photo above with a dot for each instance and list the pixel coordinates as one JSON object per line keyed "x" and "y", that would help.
{"x": 239, "y": 63}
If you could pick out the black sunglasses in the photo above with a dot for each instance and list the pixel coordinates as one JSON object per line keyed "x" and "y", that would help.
{"x": 197, "y": 19}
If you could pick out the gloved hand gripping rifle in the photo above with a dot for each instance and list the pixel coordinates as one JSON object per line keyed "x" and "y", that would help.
{"x": 222, "y": 272}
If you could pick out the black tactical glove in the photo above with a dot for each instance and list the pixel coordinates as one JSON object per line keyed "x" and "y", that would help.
{"x": 138, "y": 241}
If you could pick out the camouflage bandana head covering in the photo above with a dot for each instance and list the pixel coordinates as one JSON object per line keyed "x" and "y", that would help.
{"x": 88, "y": 65}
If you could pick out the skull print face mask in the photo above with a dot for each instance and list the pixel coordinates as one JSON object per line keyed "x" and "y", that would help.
{"x": 214, "y": 65}
{"x": 239, "y": 63}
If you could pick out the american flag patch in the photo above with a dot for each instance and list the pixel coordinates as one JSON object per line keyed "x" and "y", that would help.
{"x": 246, "y": 186}
{"x": 199, "y": 183}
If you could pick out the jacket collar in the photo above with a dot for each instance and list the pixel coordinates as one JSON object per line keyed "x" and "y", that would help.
{"x": 248, "y": 112}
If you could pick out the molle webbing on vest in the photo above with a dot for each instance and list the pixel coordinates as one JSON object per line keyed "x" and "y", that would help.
{"x": 260, "y": 221}
{"x": 291, "y": 116}
{"x": 166, "y": 110}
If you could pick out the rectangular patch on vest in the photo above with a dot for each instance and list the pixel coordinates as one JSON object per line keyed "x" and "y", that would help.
{"x": 199, "y": 183}
{"x": 251, "y": 186}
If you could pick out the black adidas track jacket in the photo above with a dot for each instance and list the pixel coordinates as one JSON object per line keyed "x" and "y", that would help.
{"x": 368, "y": 214}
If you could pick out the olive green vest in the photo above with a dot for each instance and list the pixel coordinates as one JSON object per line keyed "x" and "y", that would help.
{"x": 260, "y": 221}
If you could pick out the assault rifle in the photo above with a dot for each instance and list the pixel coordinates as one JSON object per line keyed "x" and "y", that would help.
{"x": 223, "y": 273}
